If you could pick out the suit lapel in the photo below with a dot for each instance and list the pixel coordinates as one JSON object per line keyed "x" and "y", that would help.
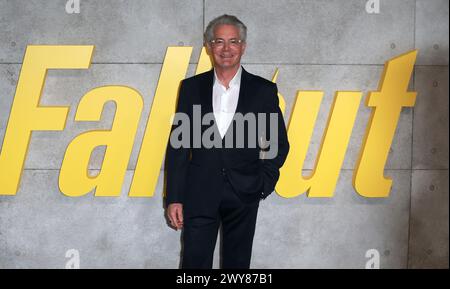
{"x": 242, "y": 100}
{"x": 207, "y": 91}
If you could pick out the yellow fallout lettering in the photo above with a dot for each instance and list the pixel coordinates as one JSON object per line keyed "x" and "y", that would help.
{"x": 158, "y": 126}
{"x": 159, "y": 123}
{"x": 322, "y": 181}
{"x": 74, "y": 179}
{"x": 27, "y": 115}
{"x": 369, "y": 180}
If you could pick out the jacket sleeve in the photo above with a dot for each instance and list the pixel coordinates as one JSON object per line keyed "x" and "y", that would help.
{"x": 177, "y": 159}
{"x": 271, "y": 167}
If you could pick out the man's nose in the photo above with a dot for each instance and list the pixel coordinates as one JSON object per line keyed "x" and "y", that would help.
{"x": 226, "y": 45}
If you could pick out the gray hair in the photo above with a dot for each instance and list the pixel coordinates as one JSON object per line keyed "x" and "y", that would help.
{"x": 225, "y": 20}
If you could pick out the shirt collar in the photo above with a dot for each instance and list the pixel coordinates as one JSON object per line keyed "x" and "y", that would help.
{"x": 235, "y": 81}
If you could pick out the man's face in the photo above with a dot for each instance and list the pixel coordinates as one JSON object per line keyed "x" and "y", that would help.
{"x": 227, "y": 52}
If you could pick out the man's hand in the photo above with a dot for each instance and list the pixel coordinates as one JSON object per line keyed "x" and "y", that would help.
{"x": 175, "y": 214}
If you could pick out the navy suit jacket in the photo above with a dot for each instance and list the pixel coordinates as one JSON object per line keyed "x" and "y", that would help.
{"x": 194, "y": 175}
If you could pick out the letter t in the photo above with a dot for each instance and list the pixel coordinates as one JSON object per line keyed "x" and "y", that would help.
{"x": 369, "y": 180}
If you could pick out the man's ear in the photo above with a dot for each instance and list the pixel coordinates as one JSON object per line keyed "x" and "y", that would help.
{"x": 244, "y": 46}
{"x": 208, "y": 48}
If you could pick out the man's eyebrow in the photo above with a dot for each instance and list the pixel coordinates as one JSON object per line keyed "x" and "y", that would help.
{"x": 228, "y": 38}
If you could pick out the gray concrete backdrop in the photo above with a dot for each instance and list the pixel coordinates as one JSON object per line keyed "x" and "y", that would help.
{"x": 317, "y": 45}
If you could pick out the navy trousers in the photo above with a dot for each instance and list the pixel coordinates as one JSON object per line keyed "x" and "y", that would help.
{"x": 238, "y": 227}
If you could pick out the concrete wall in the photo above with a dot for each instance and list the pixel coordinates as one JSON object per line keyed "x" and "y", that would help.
{"x": 317, "y": 45}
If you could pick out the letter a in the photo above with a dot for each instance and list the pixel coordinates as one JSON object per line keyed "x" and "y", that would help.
{"x": 74, "y": 179}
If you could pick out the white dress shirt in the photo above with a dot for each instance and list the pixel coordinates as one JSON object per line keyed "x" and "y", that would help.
{"x": 225, "y": 101}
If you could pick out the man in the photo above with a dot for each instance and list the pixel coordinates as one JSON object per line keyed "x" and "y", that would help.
{"x": 208, "y": 186}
